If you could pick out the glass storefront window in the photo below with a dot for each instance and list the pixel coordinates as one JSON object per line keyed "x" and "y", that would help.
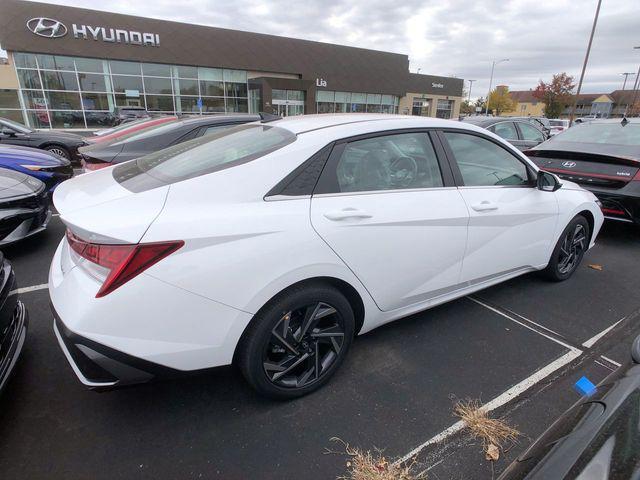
{"x": 278, "y": 94}
{"x": 66, "y": 119}
{"x": 237, "y": 105}
{"x": 444, "y": 108}
{"x": 184, "y": 72}
{"x": 388, "y": 99}
{"x": 25, "y": 60}
{"x": 91, "y": 65}
{"x": 210, "y": 74}
{"x": 157, "y": 85}
{"x": 326, "y": 107}
{"x": 55, "y": 62}
{"x": 38, "y": 118}
{"x": 15, "y": 115}
{"x": 122, "y": 83}
{"x": 63, "y": 100}
{"x": 9, "y": 98}
{"x": 156, "y": 70}
{"x": 213, "y": 105}
{"x": 236, "y": 89}
{"x": 325, "y": 96}
{"x": 343, "y": 97}
{"x": 373, "y": 98}
{"x": 373, "y": 108}
{"x": 93, "y": 88}
{"x": 235, "y": 76}
{"x": 97, "y": 101}
{"x": 159, "y": 103}
{"x": 93, "y": 82}
{"x": 59, "y": 80}
{"x": 125, "y": 68}
{"x": 29, "y": 79}
{"x": 185, "y": 87}
{"x": 358, "y": 98}
{"x": 33, "y": 99}
{"x": 211, "y": 89}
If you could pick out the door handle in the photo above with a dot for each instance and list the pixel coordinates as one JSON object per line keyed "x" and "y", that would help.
{"x": 484, "y": 206}
{"x": 346, "y": 213}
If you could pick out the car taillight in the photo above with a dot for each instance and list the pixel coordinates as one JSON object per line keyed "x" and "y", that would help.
{"x": 636, "y": 177}
{"x": 122, "y": 262}
{"x": 90, "y": 167}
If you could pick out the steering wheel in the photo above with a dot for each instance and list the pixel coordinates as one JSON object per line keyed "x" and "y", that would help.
{"x": 404, "y": 171}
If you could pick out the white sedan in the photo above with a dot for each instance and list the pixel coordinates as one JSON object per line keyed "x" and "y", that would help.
{"x": 271, "y": 245}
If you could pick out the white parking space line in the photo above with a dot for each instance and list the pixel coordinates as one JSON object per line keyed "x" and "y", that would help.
{"x": 592, "y": 341}
{"x": 604, "y": 365}
{"x": 501, "y": 400}
{"x": 509, "y": 317}
{"x": 612, "y": 362}
{"x": 33, "y": 288}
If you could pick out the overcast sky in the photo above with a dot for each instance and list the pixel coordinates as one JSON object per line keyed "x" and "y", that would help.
{"x": 441, "y": 37}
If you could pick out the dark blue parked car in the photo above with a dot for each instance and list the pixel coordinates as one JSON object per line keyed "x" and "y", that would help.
{"x": 40, "y": 164}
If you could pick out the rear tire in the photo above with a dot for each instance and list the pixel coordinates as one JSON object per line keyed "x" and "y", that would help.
{"x": 569, "y": 251}
{"x": 297, "y": 341}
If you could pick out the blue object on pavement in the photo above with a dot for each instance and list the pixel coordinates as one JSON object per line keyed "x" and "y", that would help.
{"x": 584, "y": 386}
{"x": 44, "y": 166}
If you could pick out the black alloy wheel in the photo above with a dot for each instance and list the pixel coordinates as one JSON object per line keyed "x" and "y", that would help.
{"x": 568, "y": 253}
{"x": 59, "y": 151}
{"x": 303, "y": 345}
{"x": 572, "y": 249}
{"x": 297, "y": 341}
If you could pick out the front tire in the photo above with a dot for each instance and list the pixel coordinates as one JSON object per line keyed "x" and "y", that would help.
{"x": 569, "y": 251}
{"x": 297, "y": 341}
{"x": 59, "y": 151}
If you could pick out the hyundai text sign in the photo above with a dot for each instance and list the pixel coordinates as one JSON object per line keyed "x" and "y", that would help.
{"x": 50, "y": 28}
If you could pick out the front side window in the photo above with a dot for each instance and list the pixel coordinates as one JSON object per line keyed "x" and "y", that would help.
{"x": 506, "y": 130}
{"x": 390, "y": 162}
{"x": 216, "y": 151}
{"x": 530, "y": 133}
{"x": 484, "y": 163}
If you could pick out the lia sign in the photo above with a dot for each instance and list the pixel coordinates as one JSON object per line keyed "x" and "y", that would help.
{"x": 51, "y": 28}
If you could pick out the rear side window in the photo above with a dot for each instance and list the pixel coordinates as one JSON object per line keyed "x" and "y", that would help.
{"x": 200, "y": 156}
{"x": 483, "y": 163}
{"x": 506, "y": 130}
{"x": 530, "y": 133}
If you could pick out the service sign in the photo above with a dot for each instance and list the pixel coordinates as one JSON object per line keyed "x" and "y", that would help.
{"x": 52, "y": 28}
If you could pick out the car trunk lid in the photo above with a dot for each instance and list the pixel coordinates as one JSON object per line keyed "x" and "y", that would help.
{"x": 98, "y": 209}
{"x": 587, "y": 169}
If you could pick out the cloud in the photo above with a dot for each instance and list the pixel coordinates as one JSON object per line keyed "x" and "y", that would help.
{"x": 453, "y": 37}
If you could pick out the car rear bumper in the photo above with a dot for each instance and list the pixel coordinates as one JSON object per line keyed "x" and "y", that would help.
{"x": 624, "y": 208}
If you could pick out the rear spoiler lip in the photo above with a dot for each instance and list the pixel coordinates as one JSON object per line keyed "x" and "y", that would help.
{"x": 92, "y": 237}
{"x": 584, "y": 156}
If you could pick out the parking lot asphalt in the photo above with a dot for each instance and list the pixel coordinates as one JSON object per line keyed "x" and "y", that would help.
{"x": 395, "y": 391}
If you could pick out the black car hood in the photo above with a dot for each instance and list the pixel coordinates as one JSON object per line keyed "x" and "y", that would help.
{"x": 16, "y": 184}
{"x": 628, "y": 152}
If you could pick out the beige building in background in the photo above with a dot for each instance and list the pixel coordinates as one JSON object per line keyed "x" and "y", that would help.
{"x": 526, "y": 104}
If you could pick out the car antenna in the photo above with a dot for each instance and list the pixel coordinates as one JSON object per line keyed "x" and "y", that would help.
{"x": 268, "y": 117}
{"x": 624, "y": 121}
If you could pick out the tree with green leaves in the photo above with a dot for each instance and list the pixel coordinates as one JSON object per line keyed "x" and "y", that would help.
{"x": 500, "y": 101}
{"x": 555, "y": 94}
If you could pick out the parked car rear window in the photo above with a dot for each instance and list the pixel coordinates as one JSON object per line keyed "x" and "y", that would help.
{"x": 153, "y": 130}
{"x": 608, "y": 133}
{"x": 200, "y": 156}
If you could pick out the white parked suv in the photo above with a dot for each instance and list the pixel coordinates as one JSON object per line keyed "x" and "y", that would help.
{"x": 270, "y": 245}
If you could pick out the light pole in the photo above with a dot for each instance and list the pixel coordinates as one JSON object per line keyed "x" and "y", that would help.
{"x": 636, "y": 84}
{"x": 493, "y": 66}
{"x": 584, "y": 65}
{"x": 470, "y": 86}
{"x": 626, "y": 74}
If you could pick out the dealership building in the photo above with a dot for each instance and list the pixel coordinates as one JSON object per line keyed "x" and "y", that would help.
{"x": 71, "y": 68}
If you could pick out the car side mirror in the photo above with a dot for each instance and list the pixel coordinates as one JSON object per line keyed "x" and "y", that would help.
{"x": 7, "y": 132}
{"x": 548, "y": 182}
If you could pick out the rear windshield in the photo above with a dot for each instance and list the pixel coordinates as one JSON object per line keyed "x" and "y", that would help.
{"x": 216, "y": 151}
{"x": 556, "y": 123}
{"x": 606, "y": 133}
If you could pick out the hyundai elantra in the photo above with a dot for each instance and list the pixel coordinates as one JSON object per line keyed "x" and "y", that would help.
{"x": 270, "y": 245}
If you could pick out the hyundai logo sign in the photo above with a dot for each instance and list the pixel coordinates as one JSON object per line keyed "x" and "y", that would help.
{"x": 47, "y": 27}
{"x": 569, "y": 164}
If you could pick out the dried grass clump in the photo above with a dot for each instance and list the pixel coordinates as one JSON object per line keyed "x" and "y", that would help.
{"x": 372, "y": 466}
{"x": 493, "y": 432}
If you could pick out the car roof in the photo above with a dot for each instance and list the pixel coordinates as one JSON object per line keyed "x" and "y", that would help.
{"x": 190, "y": 120}
{"x": 308, "y": 123}
{"x": 633, "y": 120}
